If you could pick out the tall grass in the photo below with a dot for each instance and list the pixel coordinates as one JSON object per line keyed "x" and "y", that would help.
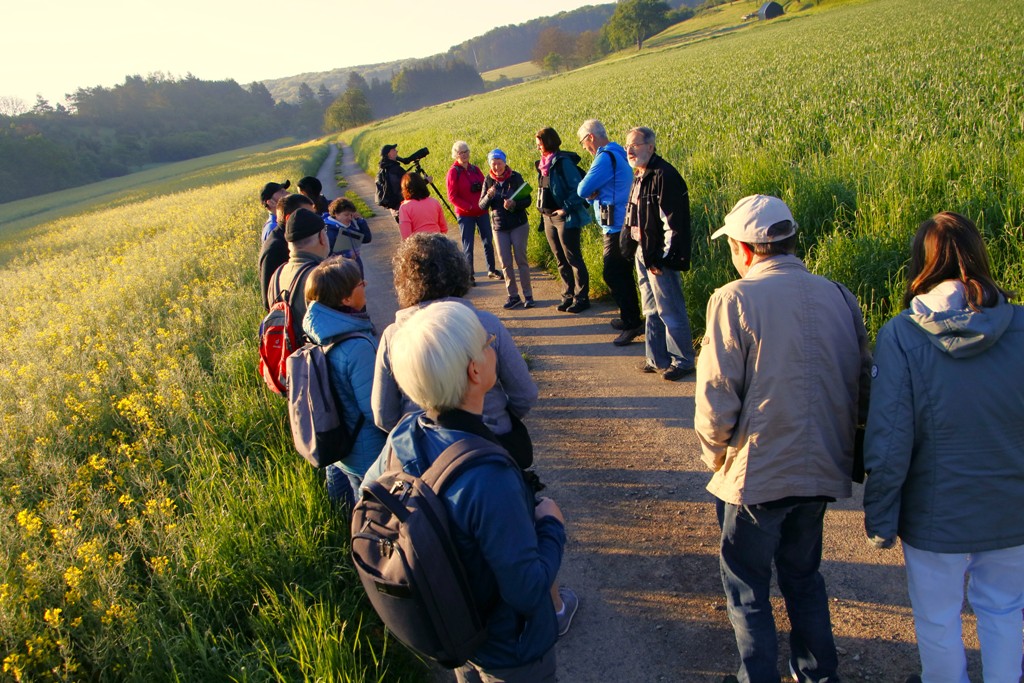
{"x": 866, "y": 119}
{"x": 155, "y": 523}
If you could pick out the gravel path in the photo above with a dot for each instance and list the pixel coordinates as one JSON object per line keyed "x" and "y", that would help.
{"x": 617, "y": 450}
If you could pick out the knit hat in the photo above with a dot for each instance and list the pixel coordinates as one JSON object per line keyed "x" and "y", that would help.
{"x": 270, "y": 189}
{"x": 496, "y": 154}
{"x": 758, "y": 219}
{"x": 302, "y": 224}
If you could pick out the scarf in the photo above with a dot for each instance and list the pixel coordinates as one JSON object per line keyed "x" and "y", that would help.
{"x": 503, "y": 177}
{"x": 545, "y": 163}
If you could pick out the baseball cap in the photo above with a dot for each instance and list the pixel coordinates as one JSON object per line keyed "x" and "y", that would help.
{"x": 302, "y": 224}
{"x": 270, "y": 189}
{"x": 758, "y": 219}
{"x": 385, "y": 149}
{"x": 496, "y": 154}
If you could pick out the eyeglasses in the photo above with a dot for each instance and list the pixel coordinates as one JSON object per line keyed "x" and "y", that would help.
{"x": 490, "y": 340}
{"x": 463, "y": 151}
{"x": 582, "y": 139}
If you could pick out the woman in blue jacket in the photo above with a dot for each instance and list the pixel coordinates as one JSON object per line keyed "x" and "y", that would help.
{"x": 945, "y": 451}
{"x": 336, "y": 298}
{"x": 564, "y": 213}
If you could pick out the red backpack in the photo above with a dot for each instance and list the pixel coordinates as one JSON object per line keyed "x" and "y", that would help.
{"x": 279, "y": 337}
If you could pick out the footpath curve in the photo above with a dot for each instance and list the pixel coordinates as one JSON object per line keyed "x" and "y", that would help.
{"x": 617, "y": 450}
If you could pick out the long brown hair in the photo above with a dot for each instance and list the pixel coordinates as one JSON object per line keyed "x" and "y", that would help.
{"x": 948, "y": 246}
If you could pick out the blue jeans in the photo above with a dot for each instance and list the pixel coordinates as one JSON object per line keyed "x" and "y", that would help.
{"x": 467, "y": 228}
{"x": 753, "y": 537}
{"x": 667, "y": 332}
{"x": 342, "y": 487}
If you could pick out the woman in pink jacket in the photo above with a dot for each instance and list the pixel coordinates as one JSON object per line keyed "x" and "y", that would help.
{"x": 419, "y": 212}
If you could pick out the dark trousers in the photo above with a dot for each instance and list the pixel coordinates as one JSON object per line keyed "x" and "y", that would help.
{"x": 620, "y": 277}
{"x": 565, "y": 245}
{"x": 789, "y": 536}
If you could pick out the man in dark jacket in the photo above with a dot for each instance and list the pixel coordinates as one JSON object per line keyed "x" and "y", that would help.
{"x": 274, "y": 252}
{"x": 657, "y": 232}
{"x": 308, "y": 245}
{"x": 392, "y": 171}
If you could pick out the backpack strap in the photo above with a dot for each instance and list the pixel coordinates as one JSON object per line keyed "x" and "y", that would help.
{"x": 460, "y": 456}
{"x": 337, "y": 401}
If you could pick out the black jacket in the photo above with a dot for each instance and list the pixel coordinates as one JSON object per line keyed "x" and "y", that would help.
{"x": 662, "y": 190}
{"x": 393, "y": 172}
{"x": 273, "y": 255}
{"x": 501, "y": 218}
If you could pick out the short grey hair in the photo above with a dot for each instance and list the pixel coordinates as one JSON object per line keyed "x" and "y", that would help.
{"x": 647, "y": 133}
{"x": 592, "y": 127}
{"x": 457, "y": 147}
{"x": 431, "y": 352}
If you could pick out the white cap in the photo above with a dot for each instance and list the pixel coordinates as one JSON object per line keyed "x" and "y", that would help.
{"x": 758, "y": 219}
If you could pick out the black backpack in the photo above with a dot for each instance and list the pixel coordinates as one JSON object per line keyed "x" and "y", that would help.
{"x": 406, "y": 558}
{"x": 380, "y": 193}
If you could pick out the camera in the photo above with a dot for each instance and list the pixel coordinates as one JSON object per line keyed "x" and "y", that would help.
{"x": 415, "y": 156}
{"x": 476, "y": 187}
{"x": 607, "y": 214}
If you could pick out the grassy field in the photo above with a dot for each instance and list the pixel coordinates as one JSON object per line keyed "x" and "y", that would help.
{"x": 155, "y": 522}
{"x": 513, "y": 71}
{"x": 863, "y": 132}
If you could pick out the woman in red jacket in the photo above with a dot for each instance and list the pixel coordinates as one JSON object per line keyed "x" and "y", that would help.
{"x": 464, "y": 182}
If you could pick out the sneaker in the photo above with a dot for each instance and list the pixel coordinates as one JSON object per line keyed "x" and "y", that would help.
{"x": 578, "y": 306}
{"x": 570, "y": 603}
{"x": 626, "y": 337}
{"x": 529, "y": 302}
{"x": 564, "y": 306}
{"x": 677, "y": 372}
{"x": 494, "y": 275}
{"x": 649, "y": 369}
{"x": 512, "y": 302}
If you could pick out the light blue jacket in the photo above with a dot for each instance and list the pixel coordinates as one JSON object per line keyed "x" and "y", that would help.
{"x": 945, "y": 436}
{"x": 611, "y": 181}
{"x": 509, "y": 557}
{"x": 351, "y": 376}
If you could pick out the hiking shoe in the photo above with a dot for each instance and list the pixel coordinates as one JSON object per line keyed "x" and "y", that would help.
{"x": 529, "y": 302}
{"x": 570, "y": 603}
{"x": 578, "y": 306}
{"x": 626, "y": 337}
{"x": 617, "y": 324}
{"x": 564, "y": 306}
{"x": 494, "y": 275}
{"x": 648, "y": 369}
{"x": 512, "y": 302}
{"x": 677, "y": 372}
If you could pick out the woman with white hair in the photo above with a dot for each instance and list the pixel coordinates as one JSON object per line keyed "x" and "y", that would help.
{"x": 510, "y": 544}
{"x": 464, "y": 181}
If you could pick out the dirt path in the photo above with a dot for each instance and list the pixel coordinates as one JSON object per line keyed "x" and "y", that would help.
{"x": 617, "y": 450}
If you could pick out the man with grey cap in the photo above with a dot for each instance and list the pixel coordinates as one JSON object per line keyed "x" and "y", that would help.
{"x": 782, "y": 383}
{"x": 308, "y": 245}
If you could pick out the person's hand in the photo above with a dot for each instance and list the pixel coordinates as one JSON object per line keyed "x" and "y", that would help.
{"x": 490, "y": 192}
{"x": 654, "y": 270}
{"x": 560, "y": 213}
{"x": 430, "y": 178}
{"x": 547, "y": 508}
{"x": 510, "y": 204}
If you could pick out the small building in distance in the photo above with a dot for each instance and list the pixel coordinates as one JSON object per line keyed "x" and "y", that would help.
{"x": 770, "y": 10}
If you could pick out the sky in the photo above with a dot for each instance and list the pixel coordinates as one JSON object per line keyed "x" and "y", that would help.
{"x": 55, "y": 48}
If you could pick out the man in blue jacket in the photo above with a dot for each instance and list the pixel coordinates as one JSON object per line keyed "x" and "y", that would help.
{"x": 509, "y": 544}
{"x": 606, "y": 186}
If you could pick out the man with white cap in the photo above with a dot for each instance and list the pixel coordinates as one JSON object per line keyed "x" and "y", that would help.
{"x": 782, "y": 383}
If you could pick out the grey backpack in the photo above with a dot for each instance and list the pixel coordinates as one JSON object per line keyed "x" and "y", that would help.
{"x": 314, "y": 411}
{"x": 405, "y": 557}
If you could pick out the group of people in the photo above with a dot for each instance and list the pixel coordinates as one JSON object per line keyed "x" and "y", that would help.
{"x": 785, "y": 383}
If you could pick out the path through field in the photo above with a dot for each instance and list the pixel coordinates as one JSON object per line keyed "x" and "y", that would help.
{"x": 617, "y": 450}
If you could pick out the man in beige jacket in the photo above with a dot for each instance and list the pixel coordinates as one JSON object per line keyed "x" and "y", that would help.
{"x": 782, "y": 381}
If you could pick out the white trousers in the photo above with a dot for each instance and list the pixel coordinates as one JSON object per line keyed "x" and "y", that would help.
{"x": 996, "y": 593}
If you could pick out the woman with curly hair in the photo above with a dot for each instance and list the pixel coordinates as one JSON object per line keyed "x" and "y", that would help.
{"x": 419, "y": 212}
{"x": 430, "y": 268}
